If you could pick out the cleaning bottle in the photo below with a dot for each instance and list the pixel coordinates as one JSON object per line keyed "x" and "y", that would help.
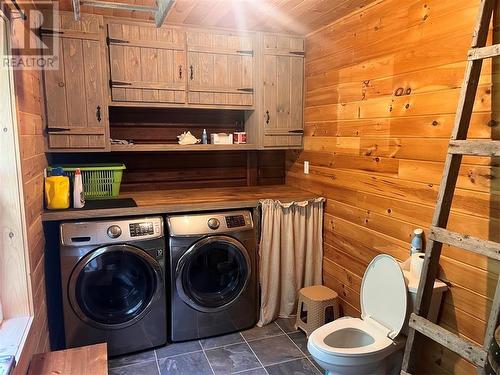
{"x": 204, "y": 137}
{"x": 78, "y": 196}
{"x": 57, "y": 190}
{"x": 416, "y": 241}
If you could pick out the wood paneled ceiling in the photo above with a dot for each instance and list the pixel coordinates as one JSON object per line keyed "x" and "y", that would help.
{"x": 292, "y": 16}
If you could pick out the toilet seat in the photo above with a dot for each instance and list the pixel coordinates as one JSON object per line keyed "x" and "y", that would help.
{"x": 380, "y": 340}
{"x": 383, "y": 312}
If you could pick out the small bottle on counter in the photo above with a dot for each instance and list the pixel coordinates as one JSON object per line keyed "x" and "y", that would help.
{"x": 204, "y": 137}
{"x": 78, "y": 196}
{"x": 416, "y": 241}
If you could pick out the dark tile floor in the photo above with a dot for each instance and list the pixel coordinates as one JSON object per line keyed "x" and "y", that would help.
{"x": 276, "y": 349}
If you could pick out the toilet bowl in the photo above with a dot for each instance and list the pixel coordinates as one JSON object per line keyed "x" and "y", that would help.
{"x": 372, "y": 344}
{"x": 354, "y": 346}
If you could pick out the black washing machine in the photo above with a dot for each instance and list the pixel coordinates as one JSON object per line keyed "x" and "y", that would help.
{"x": 213, "y": 274}
{"x": 113, "y": 283}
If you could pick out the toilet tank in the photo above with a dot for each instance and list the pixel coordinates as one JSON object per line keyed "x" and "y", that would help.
{"x": 412, "y": 282}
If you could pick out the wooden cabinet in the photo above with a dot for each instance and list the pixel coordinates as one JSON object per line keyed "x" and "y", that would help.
{"x": 171, "y": 65}
{"x": 221, "y": 68}
{"x": 76, "y": 108}
{"x": 147, "y": 64}
{"x": 282, "y": 69}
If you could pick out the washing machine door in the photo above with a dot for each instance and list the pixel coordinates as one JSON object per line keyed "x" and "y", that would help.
{"x": 213, "y": 273}
{"x": 114, "y": 286}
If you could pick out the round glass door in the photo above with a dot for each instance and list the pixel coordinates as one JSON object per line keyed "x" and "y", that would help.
{"x": 113, "y": 286}
{"x": 213, "y": 273}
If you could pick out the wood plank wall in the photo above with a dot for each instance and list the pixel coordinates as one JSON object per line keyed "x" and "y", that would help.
{"x": 33, "y": 162}
{"x": 382, "y": 88}
{"x": 184, "y": 170}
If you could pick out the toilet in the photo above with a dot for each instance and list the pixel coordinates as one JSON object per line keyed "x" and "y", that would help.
{"x": 373, "y": 344}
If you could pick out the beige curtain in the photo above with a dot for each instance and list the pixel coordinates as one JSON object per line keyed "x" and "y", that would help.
{"x": 291, "y": 253}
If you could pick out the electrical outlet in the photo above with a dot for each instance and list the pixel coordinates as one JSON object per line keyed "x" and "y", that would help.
{"x": 306, "y": 167}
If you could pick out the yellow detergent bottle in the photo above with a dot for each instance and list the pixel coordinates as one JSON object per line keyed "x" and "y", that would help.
{"x": 57, "y": 190}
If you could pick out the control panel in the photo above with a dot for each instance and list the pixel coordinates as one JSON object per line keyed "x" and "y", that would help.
{"x": 141, "y": 229}
{"x": 209, "y": 223}
{"x": 235, "y": 221}
{"x": 111, "y": 231}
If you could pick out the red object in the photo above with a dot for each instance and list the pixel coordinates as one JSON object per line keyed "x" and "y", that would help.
{"x": 239, "y": 137}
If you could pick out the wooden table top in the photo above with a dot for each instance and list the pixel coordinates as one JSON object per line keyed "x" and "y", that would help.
{"x": 187, "y": 200}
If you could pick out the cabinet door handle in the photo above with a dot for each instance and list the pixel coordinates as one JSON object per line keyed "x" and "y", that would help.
{"x": 98, "y": 113}
{"x": 191, "y": 72}
{"x": 268, "y": 118}
{"x": 180, "y": 71}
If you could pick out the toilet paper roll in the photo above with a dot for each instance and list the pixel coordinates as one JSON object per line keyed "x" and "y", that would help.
{"x": 417, "y": 262}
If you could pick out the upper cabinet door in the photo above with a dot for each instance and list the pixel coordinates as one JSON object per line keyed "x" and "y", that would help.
{"x": 283, "y": 90}
{"x": 220, "y": 68}
{"x": 147, "y": 64}
{"x": 76, "y": 109}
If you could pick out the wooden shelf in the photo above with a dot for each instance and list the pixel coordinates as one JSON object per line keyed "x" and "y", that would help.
{"x": 174, "y": 147}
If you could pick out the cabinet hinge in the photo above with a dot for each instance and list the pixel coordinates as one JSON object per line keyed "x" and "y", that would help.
{"x": 118, "y": 83}
{"x": 245, "y": 52}
{"x": 56, "y": 130}
{"x": 50, "y": 32}
{"x": 115, "y": 41}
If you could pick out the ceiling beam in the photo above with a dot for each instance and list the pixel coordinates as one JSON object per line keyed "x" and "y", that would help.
{"x": 76, "y": 9}
{"x": 161, "y": 13}
{"x": 120, "y": 6}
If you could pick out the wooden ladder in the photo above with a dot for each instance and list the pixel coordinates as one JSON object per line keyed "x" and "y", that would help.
{"x": 420, "y": 327}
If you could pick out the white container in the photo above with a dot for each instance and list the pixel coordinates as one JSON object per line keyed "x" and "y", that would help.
{"x": 221, "y": 139}
{"x": 78, "y": 196}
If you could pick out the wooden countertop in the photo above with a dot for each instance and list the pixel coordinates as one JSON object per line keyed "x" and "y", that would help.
{"x": 186, "y": 200}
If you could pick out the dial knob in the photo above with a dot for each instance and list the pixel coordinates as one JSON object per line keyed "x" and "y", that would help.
{"x": 114, "y": 231}
{"x": 213, "y": 223}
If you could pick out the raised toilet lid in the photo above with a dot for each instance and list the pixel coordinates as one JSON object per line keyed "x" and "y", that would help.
{"x": 383, "y": 293}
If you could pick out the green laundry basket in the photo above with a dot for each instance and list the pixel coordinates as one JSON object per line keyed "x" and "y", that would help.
{"x": 100, "y": 181}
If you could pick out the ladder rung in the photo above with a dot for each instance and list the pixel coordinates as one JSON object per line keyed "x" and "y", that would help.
{"x": 484, "y": 52}
{"x": 464, "y": 348}
{"x": 479, "y": 148}
{"x": 488, "y": 248}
